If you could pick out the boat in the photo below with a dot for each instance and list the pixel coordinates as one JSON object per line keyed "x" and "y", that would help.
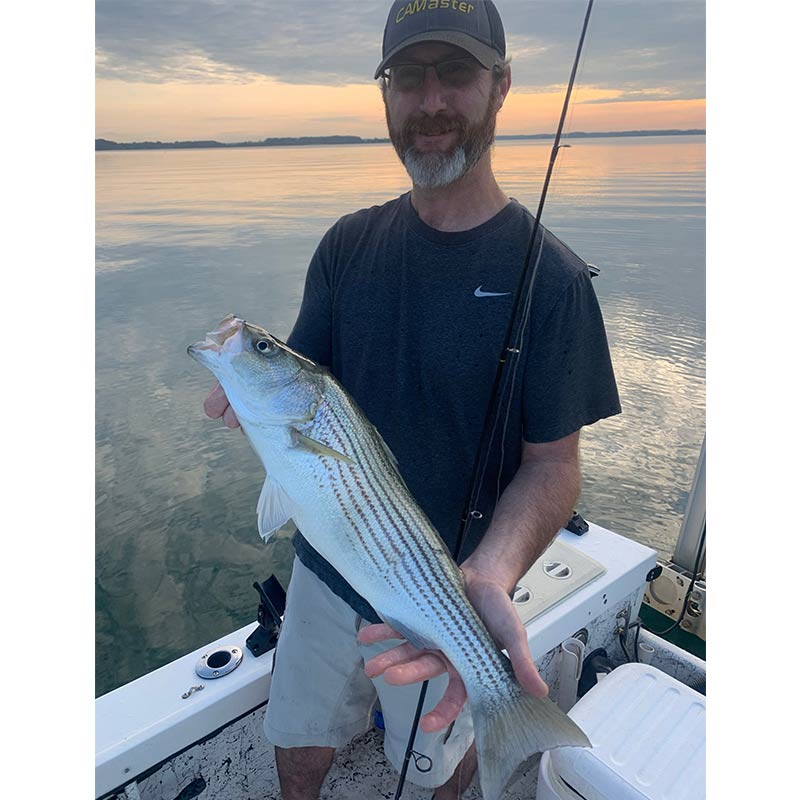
{"x": 616, "y": 633}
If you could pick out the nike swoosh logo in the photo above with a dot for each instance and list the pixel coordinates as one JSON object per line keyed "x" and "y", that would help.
{"x": 480, "y": 293}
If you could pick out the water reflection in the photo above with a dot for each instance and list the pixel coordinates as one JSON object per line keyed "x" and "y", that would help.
{"x": 184, "y": 237}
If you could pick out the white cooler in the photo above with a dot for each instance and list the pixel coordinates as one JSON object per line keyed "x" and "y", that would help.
{"x": 649, "y": 742}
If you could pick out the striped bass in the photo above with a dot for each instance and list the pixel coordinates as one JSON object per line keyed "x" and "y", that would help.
{"x": 329, "y": 470}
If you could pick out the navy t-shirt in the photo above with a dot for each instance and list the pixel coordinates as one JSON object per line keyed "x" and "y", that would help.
{"x": 412, "y": 320}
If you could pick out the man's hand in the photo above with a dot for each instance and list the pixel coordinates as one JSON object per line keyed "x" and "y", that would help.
{"x": 406, "y": 664}
{"x": 216, "y": 405}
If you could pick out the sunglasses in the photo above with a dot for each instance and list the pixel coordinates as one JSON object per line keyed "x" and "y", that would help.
{"x": 453, "y": 73}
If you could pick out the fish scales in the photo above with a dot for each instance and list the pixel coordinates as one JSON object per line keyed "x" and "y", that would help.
{"x": 330, "y": 471}
{"x": 408, "y": 530}
{"x": 347, "y": 493}
{"x": 460, "y": 635}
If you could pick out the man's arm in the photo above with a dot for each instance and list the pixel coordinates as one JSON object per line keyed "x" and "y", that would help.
{"x": 534, "y": 506}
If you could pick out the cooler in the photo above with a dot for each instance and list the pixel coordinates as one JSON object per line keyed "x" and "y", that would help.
{"x": 648, "y": 735}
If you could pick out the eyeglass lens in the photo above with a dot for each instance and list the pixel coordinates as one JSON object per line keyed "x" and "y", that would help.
{"x": 454, "y": 73}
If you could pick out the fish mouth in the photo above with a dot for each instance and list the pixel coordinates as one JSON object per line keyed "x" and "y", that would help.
{"x": 216, "y": 340}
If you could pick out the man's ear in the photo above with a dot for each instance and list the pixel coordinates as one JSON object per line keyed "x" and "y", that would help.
{"x": 503, "y": 88}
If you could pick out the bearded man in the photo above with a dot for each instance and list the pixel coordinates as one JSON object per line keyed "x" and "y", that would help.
{"x": 407, "y": 304}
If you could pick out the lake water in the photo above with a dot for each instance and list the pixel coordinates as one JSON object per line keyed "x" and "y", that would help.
{"x": 185, "y": 237}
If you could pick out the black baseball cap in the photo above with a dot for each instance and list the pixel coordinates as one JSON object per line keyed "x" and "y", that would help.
{"x": 473, "y": 26}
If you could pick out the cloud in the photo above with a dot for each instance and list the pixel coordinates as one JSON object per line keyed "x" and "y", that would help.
{"x": 632, "y": 44}
{"x": 641, "y": 95}
{"x": 310, "y": 41}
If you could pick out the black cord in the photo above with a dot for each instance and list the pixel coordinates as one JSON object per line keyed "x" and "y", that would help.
{"x": 623, "y": 635}
{"x": 624, "y": 649}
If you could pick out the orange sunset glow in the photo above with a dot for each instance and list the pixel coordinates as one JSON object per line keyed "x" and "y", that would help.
{"x": 264, "y": 107}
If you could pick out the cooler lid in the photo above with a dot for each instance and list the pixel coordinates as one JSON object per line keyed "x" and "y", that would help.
{"x": 648, "y": 739}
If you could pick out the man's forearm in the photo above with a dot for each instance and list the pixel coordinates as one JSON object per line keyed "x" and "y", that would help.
{"x": 538, "y": 501}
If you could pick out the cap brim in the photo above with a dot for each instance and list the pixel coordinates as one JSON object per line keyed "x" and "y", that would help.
{"x": 487, "y": 56}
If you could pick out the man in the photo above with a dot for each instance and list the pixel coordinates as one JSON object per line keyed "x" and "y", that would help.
{"x": 408, "y": 304}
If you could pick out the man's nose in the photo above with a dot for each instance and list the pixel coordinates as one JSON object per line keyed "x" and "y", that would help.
{"x": 433, "y": 94}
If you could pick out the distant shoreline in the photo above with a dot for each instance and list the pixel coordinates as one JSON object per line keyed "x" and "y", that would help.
{"x": 299, "y": 141}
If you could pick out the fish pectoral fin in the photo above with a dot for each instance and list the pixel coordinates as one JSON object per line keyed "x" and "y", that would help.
{"x": 274, "y": 508}
{"x": 317, "y": 448}
{"x": 412, "y": 637}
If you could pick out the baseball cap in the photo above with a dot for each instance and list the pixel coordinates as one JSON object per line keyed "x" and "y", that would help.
{"x": 473, "y": 26}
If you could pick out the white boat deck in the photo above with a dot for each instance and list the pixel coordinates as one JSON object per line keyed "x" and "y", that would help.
{"x": 360, "y": 772}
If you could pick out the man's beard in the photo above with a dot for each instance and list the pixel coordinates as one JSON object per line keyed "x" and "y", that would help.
{"x": 435, "y": 169}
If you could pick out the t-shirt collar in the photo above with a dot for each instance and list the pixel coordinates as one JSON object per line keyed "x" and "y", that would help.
{"x": 424, "y": 230}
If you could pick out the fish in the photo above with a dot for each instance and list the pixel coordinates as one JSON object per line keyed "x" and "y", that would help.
{"x": 331, "y": 473}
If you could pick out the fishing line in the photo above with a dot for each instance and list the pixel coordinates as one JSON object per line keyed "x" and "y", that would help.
{"x": 514, "y": 334}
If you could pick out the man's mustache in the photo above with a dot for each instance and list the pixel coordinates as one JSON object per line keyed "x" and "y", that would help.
{"x": 433, "y": 126}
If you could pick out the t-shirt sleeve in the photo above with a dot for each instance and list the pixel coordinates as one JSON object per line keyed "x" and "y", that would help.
{"x": 311, "y": 334}
{"x": 569, "y": 379}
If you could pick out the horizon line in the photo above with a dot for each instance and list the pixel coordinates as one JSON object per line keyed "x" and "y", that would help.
{"x": 332, "y": 139}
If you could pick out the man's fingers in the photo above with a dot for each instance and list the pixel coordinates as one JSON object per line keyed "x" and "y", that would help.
{"x": 216, "y": 402}
{"x": 525, "y": 670}
{"x": 378, "y": 632}
{"x": 422, "y": 668}
{"x": 216, "y": 406}
{"x": 448, "y": 708}
{"x": 397, "y": 655}
{"x": 229, "y": 418}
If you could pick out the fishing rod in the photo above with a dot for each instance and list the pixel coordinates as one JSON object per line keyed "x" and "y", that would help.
{"x": 509, "y": 360}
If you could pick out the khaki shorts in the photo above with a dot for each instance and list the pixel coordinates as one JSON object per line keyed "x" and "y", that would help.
{"x": 320, "y": 696}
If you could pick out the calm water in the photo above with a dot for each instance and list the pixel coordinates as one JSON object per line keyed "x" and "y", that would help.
{"x": 184, "y": 237}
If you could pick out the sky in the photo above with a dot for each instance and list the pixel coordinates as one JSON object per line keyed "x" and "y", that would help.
{"x": 236, "y": 70}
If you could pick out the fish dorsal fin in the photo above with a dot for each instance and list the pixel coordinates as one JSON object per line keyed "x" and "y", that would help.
{"x": 317, "y": 448}
{"x": 274, "y": 508}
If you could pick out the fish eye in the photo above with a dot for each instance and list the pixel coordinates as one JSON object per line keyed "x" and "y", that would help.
{"x": 264, "y": 345}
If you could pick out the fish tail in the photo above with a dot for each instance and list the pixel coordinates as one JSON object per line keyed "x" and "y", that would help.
{"x": 511, "y": 729}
